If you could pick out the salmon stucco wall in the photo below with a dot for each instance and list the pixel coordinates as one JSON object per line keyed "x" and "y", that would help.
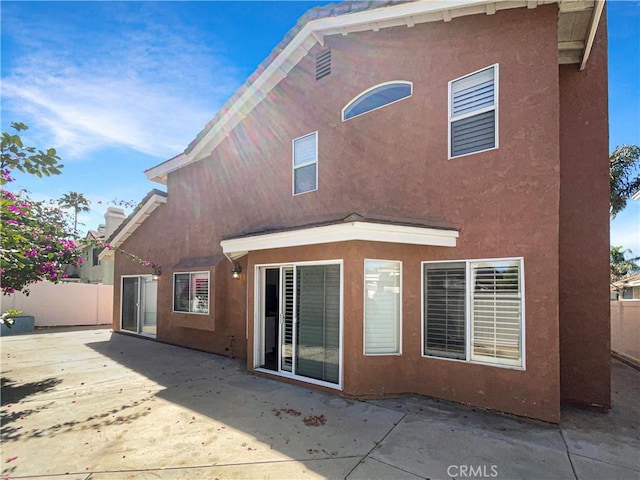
{"x": 223, "y": 329}
{"x": 584, "y": 230}
{"x": 531, "y": 392}
{"x": 505, "y": 202}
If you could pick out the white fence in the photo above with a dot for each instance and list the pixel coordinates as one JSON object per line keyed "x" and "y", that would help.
{"x": 57, "y": 304}
{"x": 625, "y": 329}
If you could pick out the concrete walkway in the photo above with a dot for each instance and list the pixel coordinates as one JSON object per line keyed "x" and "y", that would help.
{"x": 90, "y": 404}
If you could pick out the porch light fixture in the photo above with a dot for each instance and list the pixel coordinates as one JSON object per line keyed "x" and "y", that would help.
{"x": 157, "y": 271}
{"x": 236, "y": 271}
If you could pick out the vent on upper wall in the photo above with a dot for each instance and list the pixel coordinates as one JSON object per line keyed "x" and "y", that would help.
{"x": 323, "y": 64}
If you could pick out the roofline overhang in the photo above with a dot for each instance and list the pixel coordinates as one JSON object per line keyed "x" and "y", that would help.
{"x": 314, "y": 31}
{"x": 593, "y": 28}
{"x": 136, "y": 220}
{"x": 235, "y": 248}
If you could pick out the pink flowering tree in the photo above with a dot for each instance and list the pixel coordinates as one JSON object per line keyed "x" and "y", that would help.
{"x": 36, "y": 241}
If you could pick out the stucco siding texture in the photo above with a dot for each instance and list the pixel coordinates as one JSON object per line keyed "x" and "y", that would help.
{"x": 532, "y": 392}
{"x": 393, "y": 162}
{"x": 584, "y": 230}
{"x": 158, "y": 240}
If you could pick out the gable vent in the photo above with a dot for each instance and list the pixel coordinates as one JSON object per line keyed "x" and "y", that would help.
{"x": 323, "y": 64}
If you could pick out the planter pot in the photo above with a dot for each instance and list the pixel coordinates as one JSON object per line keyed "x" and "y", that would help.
{"x": 21, "y": 324}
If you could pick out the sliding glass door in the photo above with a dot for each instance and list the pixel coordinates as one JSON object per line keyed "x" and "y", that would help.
{"x": 139, "y": 301}
{"x": 305, "y": 340}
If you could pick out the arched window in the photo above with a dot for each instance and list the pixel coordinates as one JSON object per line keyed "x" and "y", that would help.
{"x": 377, "y": 97}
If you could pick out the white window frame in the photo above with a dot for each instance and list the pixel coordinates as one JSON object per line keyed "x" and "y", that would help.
{"x": 141, "y": 334}
{"x": 364, "y": 311}
{"x": 468, "y": 314}
{"x": 362, "y": 94}
{"x": 258, "y": 286}
{"x": 173, "y": 298}
{"x": 496, "y": 97}
{"x": 295, "y": 167}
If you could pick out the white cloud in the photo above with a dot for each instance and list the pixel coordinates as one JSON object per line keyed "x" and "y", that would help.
{"x": 142, "y": 86}
{"x": 625, "y": 228}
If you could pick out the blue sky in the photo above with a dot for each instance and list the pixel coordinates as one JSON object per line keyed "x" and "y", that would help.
{"x": 118, "y": 87}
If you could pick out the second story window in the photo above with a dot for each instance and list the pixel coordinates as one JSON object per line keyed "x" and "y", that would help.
{"x": 305, "y": 163}
{"x": 377, "y": 97}
{"x": 473, "y": 112}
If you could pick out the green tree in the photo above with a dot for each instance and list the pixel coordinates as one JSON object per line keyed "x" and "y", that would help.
{"x": 624, "y": 176}
{"x": 77, "y": 202}
{"x": 15, "y": 156}
{"x": 620, "y": 265}
{"x": 36, "y": 241}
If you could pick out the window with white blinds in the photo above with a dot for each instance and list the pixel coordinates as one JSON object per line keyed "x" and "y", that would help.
{"x": 382, "y": 311}
{"x": 305, "y": 164}
{"x": 496, "y": 310}
{"x": 191, "y": 292}
{"x": 473, "y": 310}
{"x": 473, "y": 101}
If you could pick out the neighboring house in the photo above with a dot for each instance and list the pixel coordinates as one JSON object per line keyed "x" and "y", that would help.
{"x": 410, "y": 197}
{"x": 626, "y": 289}
{"x": 92, "y": 269}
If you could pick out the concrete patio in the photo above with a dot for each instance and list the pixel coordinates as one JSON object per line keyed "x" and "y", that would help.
{"x": 85, "y": 403}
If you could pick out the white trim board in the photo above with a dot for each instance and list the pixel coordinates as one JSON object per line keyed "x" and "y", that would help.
{"x": 131, "y": 225}
{"x": 343, "y": 232}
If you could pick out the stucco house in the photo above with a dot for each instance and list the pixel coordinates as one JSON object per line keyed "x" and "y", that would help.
{"x": 626, "y": 289}
{"x": 93, "y": 269}
{"x": 404, "y": 197}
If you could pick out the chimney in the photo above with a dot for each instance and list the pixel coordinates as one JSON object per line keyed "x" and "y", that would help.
{"x": 113, "y": 218}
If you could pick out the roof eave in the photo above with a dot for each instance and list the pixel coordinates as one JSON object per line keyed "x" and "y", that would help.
{"x": 132, "y": 224}
{"x": 314, "y": 31}
{"x": 235, "y": 248}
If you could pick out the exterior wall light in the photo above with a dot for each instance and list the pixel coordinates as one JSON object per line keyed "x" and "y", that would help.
{"x": 157, "y": 271}
{"x": 237, "y": 270}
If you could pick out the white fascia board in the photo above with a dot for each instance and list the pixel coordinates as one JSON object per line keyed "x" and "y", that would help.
{"x": 593, "y": 28}
{"x": 140, "y": 216}
{"x": 106, "y": 254}
{"x": 159, "y": 172}
{"x": 343, "y": 232}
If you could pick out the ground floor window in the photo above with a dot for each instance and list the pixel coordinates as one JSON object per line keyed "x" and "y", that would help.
{"x": 300, "y": 314}
{"x": 191, "y": 292}
{"x": 473, "y": 311}
{"x": 382, "y": 307}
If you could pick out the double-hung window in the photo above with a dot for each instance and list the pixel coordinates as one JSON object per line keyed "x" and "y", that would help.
{"x": 473, "y": 112}
{"x": 191, "y": 292}
{"x": 473, "y": 311}
{"x": 305, "y": 163}
{"x": 382, "y": 307}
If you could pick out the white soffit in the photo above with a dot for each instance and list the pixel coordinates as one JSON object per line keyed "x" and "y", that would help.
{"x": 342, "y": 232}
{"x": 138, "y": 218}
{"x": 577, "y": 24}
